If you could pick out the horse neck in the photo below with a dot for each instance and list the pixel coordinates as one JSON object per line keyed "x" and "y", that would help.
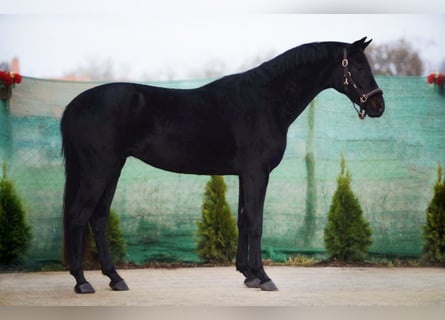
{"x": 294, "y": 78}
{"x": 298, "y": 87}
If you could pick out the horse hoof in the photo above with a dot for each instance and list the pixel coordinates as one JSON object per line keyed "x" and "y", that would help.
{"x": 268, "y": 286}
{"x": 85, "y": 287}
{"x": 119, "y": 285}
{"x": 252, "y": 283}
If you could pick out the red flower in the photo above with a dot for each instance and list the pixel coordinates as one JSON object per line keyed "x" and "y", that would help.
{"x": 440, "y": 79}
{"x": 17, "y": 78}
{"x": 436, "y": 78}
{"x": 431, "y": 78}
{"x": 2, "y": 76}
{"x": 7, "y": 79}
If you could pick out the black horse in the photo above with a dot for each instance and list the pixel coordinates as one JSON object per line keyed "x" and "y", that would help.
{"x": 236, "y": 125}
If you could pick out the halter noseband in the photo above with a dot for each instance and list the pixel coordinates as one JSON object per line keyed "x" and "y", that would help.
{"x": 349, "y": 81}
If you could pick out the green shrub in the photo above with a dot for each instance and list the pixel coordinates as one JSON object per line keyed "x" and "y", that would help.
{"x": 434, "y": 228}
{"x": 347, "y": 235}
{"x": 116, "y": 240}
{"x": 15, "y": 233}
{"x": 217, "y": 233}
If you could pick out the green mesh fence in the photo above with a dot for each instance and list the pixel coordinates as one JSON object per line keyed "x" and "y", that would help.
{"x": 392, "y": 160}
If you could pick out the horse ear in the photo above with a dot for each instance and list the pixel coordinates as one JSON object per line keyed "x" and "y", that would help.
{"x": 366, "y": 44}
{"x": 362, "y": 43}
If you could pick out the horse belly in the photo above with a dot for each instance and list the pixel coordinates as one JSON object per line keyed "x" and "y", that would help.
{"x": 198, "y": 155}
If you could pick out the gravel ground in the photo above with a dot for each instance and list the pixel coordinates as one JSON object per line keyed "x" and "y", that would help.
{"x": 223, "y": 286}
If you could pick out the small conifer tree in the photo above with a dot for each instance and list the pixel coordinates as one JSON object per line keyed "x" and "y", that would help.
{"x": 217, "y": 231}
{"x": 347, "y": 235}
{"x": 116, "y": 241}
{"x": 434, "y": 229}
{"x": 15, "y": 233}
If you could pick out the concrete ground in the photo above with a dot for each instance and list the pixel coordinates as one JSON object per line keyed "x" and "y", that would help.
{"x": 223, "y": 286}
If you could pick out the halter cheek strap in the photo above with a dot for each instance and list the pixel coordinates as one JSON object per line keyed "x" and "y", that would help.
{"x": 349, "y": 81}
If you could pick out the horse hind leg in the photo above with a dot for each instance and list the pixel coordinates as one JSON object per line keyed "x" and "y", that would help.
{"x": 76, "y": 245}
{"x": 89, "y": 195}
{"x": 77, "y": 227}
{"x": 99, "y": 222}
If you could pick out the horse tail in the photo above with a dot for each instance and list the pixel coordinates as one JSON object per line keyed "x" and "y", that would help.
{"x": 72, "y": 179}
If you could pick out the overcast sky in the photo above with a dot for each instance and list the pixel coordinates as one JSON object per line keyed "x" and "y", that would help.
{"x": 148, "y": 40}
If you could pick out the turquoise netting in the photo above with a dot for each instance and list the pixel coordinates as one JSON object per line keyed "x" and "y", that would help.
{"x": 392, "y": 160}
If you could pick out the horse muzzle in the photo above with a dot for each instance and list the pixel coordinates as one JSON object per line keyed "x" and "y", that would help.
{"x": 374, "y": 107}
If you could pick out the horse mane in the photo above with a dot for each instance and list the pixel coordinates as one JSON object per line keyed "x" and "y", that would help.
{"x": 292, "y": 60}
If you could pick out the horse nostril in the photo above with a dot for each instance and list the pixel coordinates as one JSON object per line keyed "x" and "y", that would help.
{"x": 382, "y": 107}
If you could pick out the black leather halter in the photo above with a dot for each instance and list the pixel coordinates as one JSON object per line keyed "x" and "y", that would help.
{"x": 348, "y": 81}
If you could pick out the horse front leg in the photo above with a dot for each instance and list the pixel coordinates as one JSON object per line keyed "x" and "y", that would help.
{"x": 242, "y": 254}
{"x": 254, "y": 191}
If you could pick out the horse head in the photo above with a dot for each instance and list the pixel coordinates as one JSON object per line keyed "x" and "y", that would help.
{"x": 359, "y": 84}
